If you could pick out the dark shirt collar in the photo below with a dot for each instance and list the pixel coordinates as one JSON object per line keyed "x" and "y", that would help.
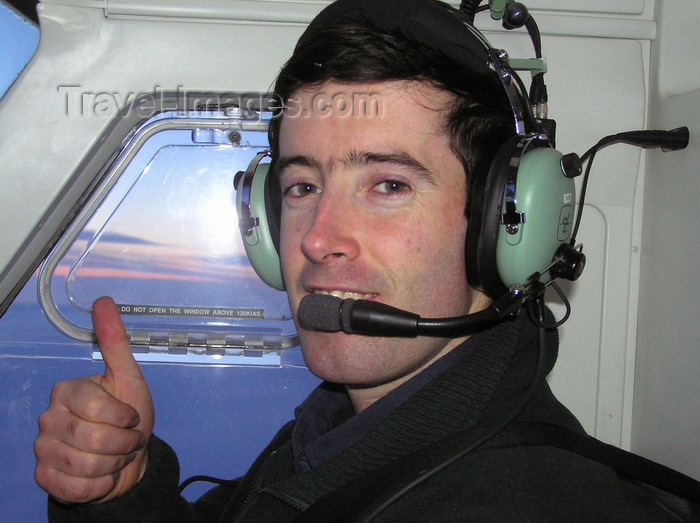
{"x": 326, "y": 423}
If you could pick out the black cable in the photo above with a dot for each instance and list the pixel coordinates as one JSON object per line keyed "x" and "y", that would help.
{"x": 538, "y": 376}
{"x": 209, "y": 479}
{"x": 532, "y": 28}
{"x": 584, "y": 185}
{"x": 673, "y": 140}
{"x": 626, "y": 137}
{"x": 470, "y": 8}
{"x": 603, "y": 142}
{"x": 527, "y": 109}
{"x": 556, "y": 324}
{"x": 538, "y": 89}
{"x": 534, "y": 31}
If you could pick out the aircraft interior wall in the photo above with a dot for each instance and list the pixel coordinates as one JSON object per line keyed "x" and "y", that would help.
{"x": 667, "y": 387}
{"x": 612, "y": 67}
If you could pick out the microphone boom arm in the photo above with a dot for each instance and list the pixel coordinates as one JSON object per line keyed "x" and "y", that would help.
{"x": 371, "y": 317}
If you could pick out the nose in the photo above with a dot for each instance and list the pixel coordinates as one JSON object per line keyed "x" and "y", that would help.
{"x": 333, "y": 233}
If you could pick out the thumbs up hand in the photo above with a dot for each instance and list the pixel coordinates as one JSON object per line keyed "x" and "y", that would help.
{"x": 93, "y": 437}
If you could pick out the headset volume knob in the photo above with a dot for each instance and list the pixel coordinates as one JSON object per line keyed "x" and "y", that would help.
{"x": 570, "y": 263}
{"x": 515, "y": 16}
{"x": 571, "y": 165}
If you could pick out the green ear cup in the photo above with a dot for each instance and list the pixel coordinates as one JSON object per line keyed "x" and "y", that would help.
{"x": 541, "y": 195}
{"x": 254, "y": 224}
{"x": 546, "y": 198}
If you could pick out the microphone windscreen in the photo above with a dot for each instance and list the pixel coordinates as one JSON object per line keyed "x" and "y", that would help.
{"x": 321, "y": 312}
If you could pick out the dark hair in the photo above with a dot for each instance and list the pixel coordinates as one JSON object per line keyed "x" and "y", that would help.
{"x": 477, "y": 121}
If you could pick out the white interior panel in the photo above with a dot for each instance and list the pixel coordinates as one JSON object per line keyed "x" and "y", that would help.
{"x": 85, "y": 66}
{"x": 94, "y": 56}
{"x": 666, "y": 418}
{"x": 575, "y": 376}
{"x": 598, "y": 87}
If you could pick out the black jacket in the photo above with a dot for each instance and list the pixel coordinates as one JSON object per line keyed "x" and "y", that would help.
{"x": 501, "y": 481}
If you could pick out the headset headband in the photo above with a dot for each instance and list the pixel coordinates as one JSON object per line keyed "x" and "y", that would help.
{"x": 436, "y": 25}
{"x": 522, "y": 215}
{"x": 431, "y": 23}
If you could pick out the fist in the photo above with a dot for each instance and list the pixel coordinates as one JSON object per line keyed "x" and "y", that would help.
{"x": 93, "y": 437}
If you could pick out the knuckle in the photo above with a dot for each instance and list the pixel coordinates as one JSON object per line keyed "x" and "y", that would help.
{"x": 62, "y": 388}
{"x": 90, "y": 465}
{"x": 39, "y": 447}
{"x": 124, "y": 461}
{"x": 94, "y": 406}
{"x": 81, "y": 491}
{"x": 67, "y": 463}
{"x": 45, "y": 421}
{"x": 45, "y": 450}
{"x": 64, "y": 488}
{"x": 71, "y": 427}
{"x": 41, "y": 474}
{"x": 73, "y": 387}
{"x": 56, "y": 391}
{"x": 95, "y": 441}
{"x": 138, "y": 441}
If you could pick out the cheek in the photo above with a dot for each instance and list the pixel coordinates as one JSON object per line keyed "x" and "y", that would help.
{"x": 428, "y": 251}
{"x": 290, "y": 241}
{"x": 439, "y": 248}
{"x": 440, "y": 232}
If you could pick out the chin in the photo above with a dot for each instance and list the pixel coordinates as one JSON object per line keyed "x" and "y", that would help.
{"x": 361, "y": 361}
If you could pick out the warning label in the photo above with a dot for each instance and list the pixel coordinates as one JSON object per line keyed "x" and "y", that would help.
{"x": 198, "y": 312}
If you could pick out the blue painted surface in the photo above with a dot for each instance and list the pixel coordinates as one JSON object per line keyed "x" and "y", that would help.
{"x": 216, "y": 418}
{"x": 19, "y": 39}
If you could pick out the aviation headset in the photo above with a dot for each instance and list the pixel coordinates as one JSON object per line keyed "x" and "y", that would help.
{"x": 521, "y": 225}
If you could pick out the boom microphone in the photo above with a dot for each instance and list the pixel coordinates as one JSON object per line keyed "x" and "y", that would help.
{"x": 330, "y": 314}
{"x": 673, "y": 140}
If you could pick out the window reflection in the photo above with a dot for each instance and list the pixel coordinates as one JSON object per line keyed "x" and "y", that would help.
{"x": 164, "y": 243}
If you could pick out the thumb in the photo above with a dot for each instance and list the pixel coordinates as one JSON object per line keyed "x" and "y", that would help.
{"x": 121, "y": 369}
{"x": 124, "y": 380}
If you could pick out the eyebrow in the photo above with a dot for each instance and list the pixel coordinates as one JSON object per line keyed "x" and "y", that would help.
{"x": 299, "y": 159}
{"x": 361, "y": 158}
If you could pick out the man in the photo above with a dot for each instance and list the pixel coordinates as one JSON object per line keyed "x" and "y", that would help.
{"x": 373, "y": 207}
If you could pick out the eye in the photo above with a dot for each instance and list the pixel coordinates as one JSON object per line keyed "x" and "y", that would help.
{"x": 299, "y": 190}
{"x": 390, "y": 187}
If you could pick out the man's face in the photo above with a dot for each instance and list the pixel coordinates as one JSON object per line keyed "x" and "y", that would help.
{"x": 373, "y": 208}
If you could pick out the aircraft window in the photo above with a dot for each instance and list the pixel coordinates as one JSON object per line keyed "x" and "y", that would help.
{"x": 18, "y": 42}
{"x": 160, "y": 235}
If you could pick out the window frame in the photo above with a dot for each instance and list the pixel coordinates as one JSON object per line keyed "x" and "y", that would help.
{"x": 130, "y": 130}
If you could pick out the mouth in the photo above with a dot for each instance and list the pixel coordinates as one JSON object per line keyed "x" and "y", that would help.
{"x": 345, "y": 294}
